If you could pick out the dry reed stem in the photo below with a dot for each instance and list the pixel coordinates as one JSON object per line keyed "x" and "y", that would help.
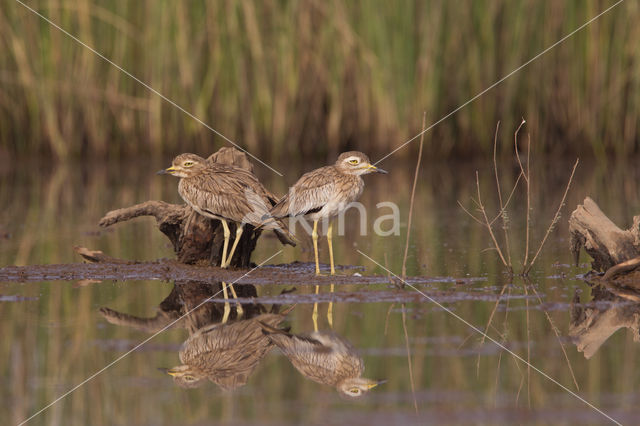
{"x": 486, "y": 223}
{"x": 413, "y": 194}
{"x": 503, "y": 212}
{"x": 406, "y": 342}
{"x": 527, "y": 180}
{"x": 554, "y": 221}
{"x": 386, "y": 321}
{"x": 493, "y": 311}
{"x": 557, "y": 333}
{"x": 526, "y": 301}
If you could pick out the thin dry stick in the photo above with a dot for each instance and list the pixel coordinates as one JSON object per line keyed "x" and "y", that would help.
{"x": 557, "y": 333}
{"x": 513, "y": 190}
{"x": 556, "y": 217}
{"x": 528, "y": 176}
{"x": 506, "y": 204}
{"x": 486, "y": 222}
{"x": 502, "y": 341}
{"x": 527, "y": 180}
{"x": 503, "y": 212}
{"x": 406, "y": 342}
{"x": 526, "y": 301}
{"x": 386, "y": 322}
{"x": 495, "y": 308}
{"x": 413, "y": 194}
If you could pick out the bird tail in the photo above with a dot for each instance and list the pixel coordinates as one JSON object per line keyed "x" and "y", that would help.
{"x": 284, "y": 235}
{"x": 281, "y": 208}
{"x": 270, "y": 330}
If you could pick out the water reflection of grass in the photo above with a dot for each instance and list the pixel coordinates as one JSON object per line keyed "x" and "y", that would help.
{"x": 299, "y": 79}
{"x": 53, "y": 343}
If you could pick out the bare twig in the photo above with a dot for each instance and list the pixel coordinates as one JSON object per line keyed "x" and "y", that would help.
{"x": 556, "y": 217}
{"x": 528, "y": 182}
{"x": 513, "y": 190}
{"x": 503, "y": 211}
{"x": 557, "y": 333}
{"x": 413, "y": 194}
{"x": 526, "y": 301}
{"x": 486, "y": 223}
{"x": 493, "y": 311}
{"x": 406, "y": 342}
{"x": 470, "y": 214}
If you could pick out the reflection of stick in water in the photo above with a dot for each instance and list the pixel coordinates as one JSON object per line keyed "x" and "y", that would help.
{"x": 593, "y": 324}
{"x": 325, "y": 358}
{"x": 226, "y": 354}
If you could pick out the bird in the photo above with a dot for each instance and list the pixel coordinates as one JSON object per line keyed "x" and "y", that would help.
{"x": 324, "y": 193}
{"x": 325, "y": 358}
{"x": 225, "y": 353}
{"x": 226, "y": 193}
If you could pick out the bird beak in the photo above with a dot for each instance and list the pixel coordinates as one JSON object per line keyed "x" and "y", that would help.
{"x": 169, "y": 371}
{"x": 376, "y": 383}
{"x": 167, "y": 171}
{"x": 374, "y": 169}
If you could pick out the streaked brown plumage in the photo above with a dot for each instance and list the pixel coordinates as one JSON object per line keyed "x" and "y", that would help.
{"x": 325, "y": 192}
{"x": 325, "y": 358}
{"x": 322, "y": 194}
{"x": 227, "y": 193}
{"x": 225, "y": 353}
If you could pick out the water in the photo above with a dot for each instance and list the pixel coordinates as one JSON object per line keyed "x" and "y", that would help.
{"x": 55, "y": 336}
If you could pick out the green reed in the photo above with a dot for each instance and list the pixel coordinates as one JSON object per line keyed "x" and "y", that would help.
{"x": 313, "y": 78}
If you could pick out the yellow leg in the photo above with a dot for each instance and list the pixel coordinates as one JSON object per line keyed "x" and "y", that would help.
{"x": 329, "y": 239}
{"x": 333, "y": 271}
{"x": 227, "y": 308}
{"x": 227, "y": 235}
{"x": 314, "y": 315}
{"x": 239, "y": 309}
{"x": 314, "y": 236}
{"x": 235, "y": 244}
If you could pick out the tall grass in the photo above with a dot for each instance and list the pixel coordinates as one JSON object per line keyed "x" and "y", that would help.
{"x": 311, "y": 77}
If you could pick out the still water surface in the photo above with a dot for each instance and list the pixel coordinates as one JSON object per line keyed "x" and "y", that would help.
{"x": 56, "y": 333}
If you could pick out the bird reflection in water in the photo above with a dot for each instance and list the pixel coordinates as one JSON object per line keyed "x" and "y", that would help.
{"x": 324, "y": 357}
{"x": 225, "y": 345}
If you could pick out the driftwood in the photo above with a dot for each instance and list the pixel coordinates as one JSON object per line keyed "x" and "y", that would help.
{"x": 614, "y": 251}
{"x": 592, "y": 324}
{"x": 195, "y": 239}
{"x": 187, "y": 307}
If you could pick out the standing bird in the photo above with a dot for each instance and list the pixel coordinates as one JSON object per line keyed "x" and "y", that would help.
{"x": 226, "y": 193}
{"x": 325, "y": 193}
{"x": 225, "y": 353}
{"x": 325, "y": 358}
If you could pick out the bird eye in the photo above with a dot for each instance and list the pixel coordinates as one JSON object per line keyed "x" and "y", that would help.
{"x": 189, "y": 378}
{"x": 187, "y": 163}
{"x": 355, "y": 391}
{"x": 354, "y": 161}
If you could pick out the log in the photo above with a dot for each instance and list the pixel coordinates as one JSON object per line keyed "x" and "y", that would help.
{"x": 605, "y": 242}
{"x": 195, "y": 238}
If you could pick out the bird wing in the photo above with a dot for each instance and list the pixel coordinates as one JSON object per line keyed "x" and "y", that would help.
{"x": 309, "y": 194}
{"x": 227, "y": 192}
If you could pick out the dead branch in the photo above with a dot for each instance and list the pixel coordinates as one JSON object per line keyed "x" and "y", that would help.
{"x": 605, "y": 242}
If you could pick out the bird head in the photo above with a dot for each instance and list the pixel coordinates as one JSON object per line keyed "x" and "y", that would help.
{"x": 357, "y": 386}
{"x": 356, "y": 163}
{"x": 185, "y": 165}
{"x": 185, "y": 376}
